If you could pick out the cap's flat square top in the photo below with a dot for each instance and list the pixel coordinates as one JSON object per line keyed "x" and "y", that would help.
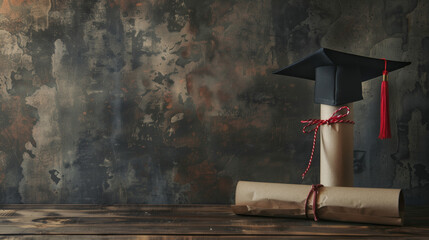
{"x": 369, "y": 67}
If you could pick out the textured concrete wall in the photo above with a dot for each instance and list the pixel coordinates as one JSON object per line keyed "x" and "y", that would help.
{"x": 116, "y": 101}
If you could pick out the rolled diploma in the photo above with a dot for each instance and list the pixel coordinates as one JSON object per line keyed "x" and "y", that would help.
{"x": 336, "y": 149}
{"x": 348, "y": 204}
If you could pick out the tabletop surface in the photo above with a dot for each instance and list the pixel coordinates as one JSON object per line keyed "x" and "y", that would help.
{"x": 26, "y": 221}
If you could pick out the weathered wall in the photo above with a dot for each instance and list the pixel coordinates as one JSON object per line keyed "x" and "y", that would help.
{"x": 116, "y": 101}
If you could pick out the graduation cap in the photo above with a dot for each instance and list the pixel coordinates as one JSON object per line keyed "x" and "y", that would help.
{"x": 338, "y": 81}
{"x": 339, "y": 75}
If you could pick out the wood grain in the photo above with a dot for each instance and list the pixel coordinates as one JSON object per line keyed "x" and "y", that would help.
{"x": 185, "y": 222}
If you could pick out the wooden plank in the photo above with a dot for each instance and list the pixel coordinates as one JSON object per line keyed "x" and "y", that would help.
{"x": 155, "y": 221}
{"x": 180, "y": 237}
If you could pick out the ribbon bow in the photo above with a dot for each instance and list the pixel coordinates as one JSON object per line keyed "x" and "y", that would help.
{"x": 318, "y": 122}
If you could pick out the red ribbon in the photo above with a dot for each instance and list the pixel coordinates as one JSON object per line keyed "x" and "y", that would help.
{"x": 315, "y": 190}
{"x": 318, "y": 122}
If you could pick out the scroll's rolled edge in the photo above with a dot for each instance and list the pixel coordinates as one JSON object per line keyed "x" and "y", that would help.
{"x": 401, "y": 206}
{"x": 240, "y": 209}
{"x": 236, "y": 190}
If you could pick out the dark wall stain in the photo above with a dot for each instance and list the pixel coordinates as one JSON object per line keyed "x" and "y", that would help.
{"x": 421, "y": 173}
{"x": 395, "y": 19}
{"x": 54, "y": 176}
{"x": 169, "y": 102}
{"x": 15, "y": 132}
{"x": 359, "y": 164}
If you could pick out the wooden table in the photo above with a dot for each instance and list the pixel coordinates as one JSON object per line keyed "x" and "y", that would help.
{"x": 185, "y": 222}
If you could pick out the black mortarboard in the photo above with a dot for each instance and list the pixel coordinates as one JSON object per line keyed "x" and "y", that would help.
{"x": 338, "y": 75}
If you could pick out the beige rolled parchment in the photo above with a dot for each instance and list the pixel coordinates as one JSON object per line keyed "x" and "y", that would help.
{"x": 336, "y": 149}
{"x": 348, "y": 204}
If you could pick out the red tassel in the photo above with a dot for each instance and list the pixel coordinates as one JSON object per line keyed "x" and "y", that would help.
{"x": 384, "y": 107}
